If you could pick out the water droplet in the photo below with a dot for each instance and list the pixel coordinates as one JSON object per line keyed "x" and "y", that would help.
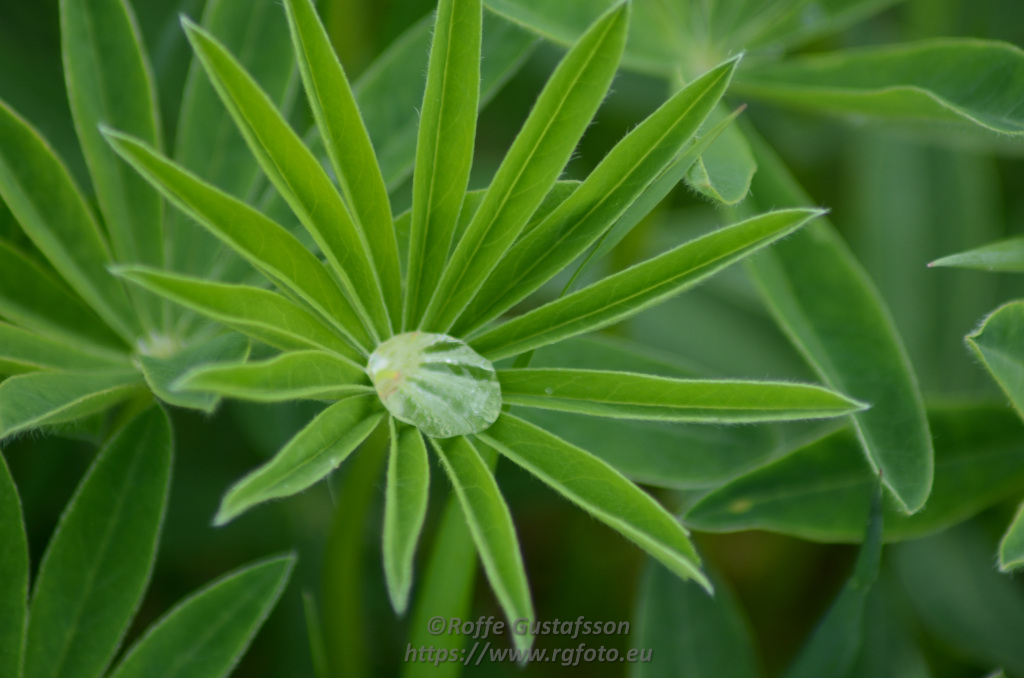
{"x": 436, "y": 383}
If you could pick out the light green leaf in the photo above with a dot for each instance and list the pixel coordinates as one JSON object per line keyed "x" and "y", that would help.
{"x": 289, "y": 376}
{"x": 625, "y": 395}
{"x": 162, "y": 372}
{"x": 25, "y": 351}
{"x": 205, "y": 634}
{"x": 43, "y": 398}
{"x": 33, "y": 298}
{"x": 314, "y": 452}
{"x": 13, "y": 575}
{"x": 625, "y": 174}
{"x": 627, "y": 293}
{"x": 269, "y": 247}
{"x": 46, "y": 202}
{"x": 833, "y": 648}
{"x": 261, "y": 314}
{"x": 97, "y": 566}
{"x": 951, "y": 83}
{"x": 724, "y": 171}
{"x": 1011, "y": 548}
{"x": 298, "y": 176}
{"x": 821, "y": 490}
{"x": 348, "y": 145}
{"x": 537, "y": 156}
{"x": 686, "y": 632}
{"x": 600, "y": 490}
{"x": 490, "y": 523}
{"x": 853, "y": 346}
{"x": 1005, "y": 256}
{"x": 998, "y": 343}
{"x": 444, "y": 148}
{"x": 405, "y": 508}
{"x": 110, "y": 82}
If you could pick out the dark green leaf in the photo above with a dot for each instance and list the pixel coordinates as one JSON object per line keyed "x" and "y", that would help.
{"x": 998, "y": 343}
{"x": 1006, "y": 256}
{"x": 405, "y": 508}
{"x": 1011, "y": 548}
{"x": 13, "y": 575}
{"x": 162, "y": 372}
{"x": 25, "y": 351}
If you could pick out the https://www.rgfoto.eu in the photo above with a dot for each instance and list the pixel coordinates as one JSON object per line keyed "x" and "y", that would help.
{"x": 482, "y": 629}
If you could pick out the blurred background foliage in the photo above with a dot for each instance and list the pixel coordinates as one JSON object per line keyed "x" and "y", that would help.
{"x": 940, "y": 609}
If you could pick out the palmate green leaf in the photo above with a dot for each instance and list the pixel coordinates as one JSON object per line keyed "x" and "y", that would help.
{"x": 444, "y": 148}
{"x": 958, "y": 83}
{"x": 34, "y": 299}
{"x": 626, "y": 293}
{"x": 266, "y": 245}
{"x": 724, "y": 171}
{"x": 821, "y": 490}
{"x": 96, "y": 568}
{"x": 25, "y": 351}
{"x": 162, "y": 372}
{"x": 532, "y": 165}
{"x": 833, "y": 648}
{"x": 625, "y": 395}
{"x": 998, "y": 343}
{"x": 1005, "y": 256}
{"x": 259, "y": 313}
{"x": 1011, "y": 548}
{"x": 51, "y": 210}
{"x": 110, "y": 82}
{"x": 13, "y": 575}
{"x": 853, "y": 345}
{"x": 688, "y": 632}
{"x": 298, "y": 176}
{"x": 348, "y": 146}
{"x": 625, "y": 174}
{"x": 314, "y": 452}
{"x": 391, "y": 90}
{"x": 405, "y": 508}
{"x": 43, "y": 398}
{"x": 598, "y": 489}
{"x": 205, "y": 634}
{"x": 289, "y": 376}
{"x": 490, "y": 523}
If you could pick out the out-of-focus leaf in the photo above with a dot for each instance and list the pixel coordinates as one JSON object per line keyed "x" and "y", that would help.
{"x": 690, "y": 633}
{"x": 821, "y": 491}
{"x": 598, "y": 489}
{"x": 161, "y": 373}
{"x": 998, "y": 342}
{"x": 724, "y": 171}
{"x": 1005, "y": 256}
{"x": 98, "y": 563}
{"x": 205, "y": 634}
{"x": 1011, "y": 548}
{"x": 853, "y": 345}
{"x": 405, "y": 508}
{"x": 314, "y": 452}
{"x": 624, "y": 294}
{"x": 833, "y": 648}
{"x": 44, "y": 398}
{"x": 13, "y": 575}
{"x": 24, "y": 351}
{"x": 954, "y": 83}
{"x": 290, "y": 376}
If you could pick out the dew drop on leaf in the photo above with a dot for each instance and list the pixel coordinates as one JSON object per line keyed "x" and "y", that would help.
{"x": 436, "y": 383}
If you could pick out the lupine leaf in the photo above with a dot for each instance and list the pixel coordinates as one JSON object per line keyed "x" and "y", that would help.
{"x": 44, "y": 398}
{"x": 348, "y": 145}
{"x": 13, "y": 575}
{"x": 444, "y": 148}
{"x": 625, "y": 174}
{"x": 821, "y": 490}
{"x": 25, "y": 351}
{"x": 998, "y": 343}
{"x": 314, "y": 452}
{"x": 162, "y": 372}
{"x": 97, "y": 566}
{"x": 1005, "y": 256}
{"x": 289, "y": 376}
{"x": 297, "y": 175}
{"x": 110, "y": 82}
{"x": 51, "y": 210}
{"x": 543, "y": 146}
{"x": 629, "y": 292}
{"x": 959, "y": 83}
{"x": 266, "y": 245}
{"x": 260, "y": 313}
{"x": 1011, "y": 548}
{"x": 724, "y": 171}
{"x": 598, "y": 489}
{"x": 405, "y": 508}
{"x": 205, "y": 634}
{"x": 490, "y": 523}
{"x": 854, "y": 345}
